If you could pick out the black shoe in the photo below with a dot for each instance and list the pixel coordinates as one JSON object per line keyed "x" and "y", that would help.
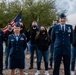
{"x": 30, "y": 67}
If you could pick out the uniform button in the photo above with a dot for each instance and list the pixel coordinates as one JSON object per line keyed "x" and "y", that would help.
{"x": 16, "y": 49}
{"x": 63, "y": 39}
{"x": 63, "y": 42}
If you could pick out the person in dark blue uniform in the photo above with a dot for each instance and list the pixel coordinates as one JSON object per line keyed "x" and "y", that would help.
{"x": 1, "y": 51}
{"x": 16, "y": 46}
{"x": 62, "y": 37}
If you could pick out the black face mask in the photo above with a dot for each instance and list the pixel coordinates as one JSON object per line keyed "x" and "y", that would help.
{"x": 42, "y": 31}
{"x": 21, "y": 26}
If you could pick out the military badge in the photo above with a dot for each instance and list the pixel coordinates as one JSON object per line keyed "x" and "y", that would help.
{"x": 68, "y": 34}
{"x": 21, "y": 38}
{"x": 69, "y": 30}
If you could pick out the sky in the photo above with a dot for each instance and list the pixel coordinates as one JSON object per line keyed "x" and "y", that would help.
{"x": 70, "y": 6}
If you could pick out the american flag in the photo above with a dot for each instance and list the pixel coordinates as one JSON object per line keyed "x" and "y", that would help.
{"x": 12, "y": 23}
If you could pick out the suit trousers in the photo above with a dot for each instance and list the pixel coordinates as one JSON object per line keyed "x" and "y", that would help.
{"x": 57, "y": 62}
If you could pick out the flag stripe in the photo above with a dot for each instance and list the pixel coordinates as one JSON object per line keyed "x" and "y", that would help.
{"x": 16, "y": 19}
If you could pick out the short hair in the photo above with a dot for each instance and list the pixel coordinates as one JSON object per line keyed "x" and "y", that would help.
{"x": 34, "y": 22}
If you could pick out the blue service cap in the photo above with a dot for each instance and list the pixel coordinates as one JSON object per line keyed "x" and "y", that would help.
{"x": 62, "y": 15}
{"x": 17, "y": 24}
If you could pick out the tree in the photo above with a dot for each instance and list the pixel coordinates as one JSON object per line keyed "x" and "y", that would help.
{"x": 42, "y": 11}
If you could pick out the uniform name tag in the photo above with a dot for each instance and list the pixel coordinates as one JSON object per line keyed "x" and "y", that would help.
{"x": 12, "y": 39}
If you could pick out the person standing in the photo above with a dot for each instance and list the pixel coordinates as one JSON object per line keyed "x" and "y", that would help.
{"x": 73, "y": 56}
{"x": 17, "y": 45}
{"x": 32, "y": 33}
{"x": 52, "y": 44}
{"x": 24, "y": 31}
{"x": 42, "y": 41}
{"x": 9, "y": 31}
{"x": 1, "y": 51}
{"x": 62, "y": 37}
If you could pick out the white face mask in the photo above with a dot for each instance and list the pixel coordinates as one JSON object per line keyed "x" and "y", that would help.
{"x": 10, "y": 29}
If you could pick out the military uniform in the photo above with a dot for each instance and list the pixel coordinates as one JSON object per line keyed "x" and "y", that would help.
{"x": 17, "y": 50}
{"x": 62, "y": 37}
{"x": 62, "y": 47}
{"x": 1, "y": 51}
{"x": 16, "y": 46}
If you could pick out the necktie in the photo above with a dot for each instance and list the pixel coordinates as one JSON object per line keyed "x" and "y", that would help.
{"x": 16, "y": 37}
{"x": 63, "y": 28}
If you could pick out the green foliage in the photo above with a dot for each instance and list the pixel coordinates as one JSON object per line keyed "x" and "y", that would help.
{"x": 42, "y": 11}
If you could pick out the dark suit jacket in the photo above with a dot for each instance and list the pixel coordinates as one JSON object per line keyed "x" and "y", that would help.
{"x": 62, "y": 40}
{"x": 16, "y": 48}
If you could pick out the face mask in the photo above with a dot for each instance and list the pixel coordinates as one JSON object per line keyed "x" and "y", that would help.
{"x": 9, "y": 29}
{"x": 55, "y": 24}
{"x": 34, "y": 27}
{"x": 42, "y": 31}
{"x": 21, "y": 26}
